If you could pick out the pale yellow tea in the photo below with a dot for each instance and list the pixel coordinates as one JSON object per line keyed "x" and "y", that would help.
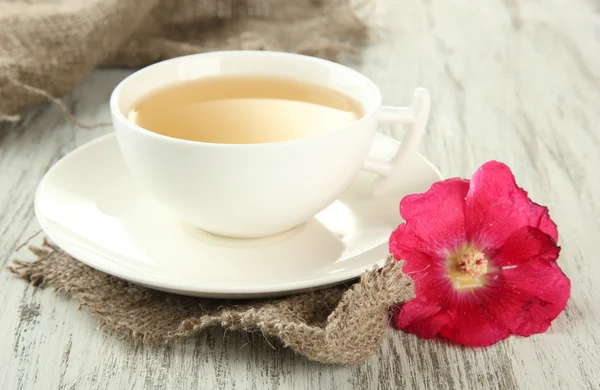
{"x": 244, "y": 110}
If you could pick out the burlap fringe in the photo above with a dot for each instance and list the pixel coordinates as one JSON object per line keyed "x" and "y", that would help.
{"x": 340, "y": 325}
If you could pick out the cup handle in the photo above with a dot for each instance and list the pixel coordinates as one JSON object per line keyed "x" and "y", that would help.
{"x": 416, "y": 117}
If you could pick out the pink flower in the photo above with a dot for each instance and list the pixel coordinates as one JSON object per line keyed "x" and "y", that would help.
{"x": 483, "y": 259}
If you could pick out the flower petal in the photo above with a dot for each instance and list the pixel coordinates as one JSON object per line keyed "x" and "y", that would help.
{"x": 497, "y": 207}
{"x": 546, "y": 224}
{"x": 549, "y": 290}
{"x": 435, "y": 220}
{"x": 403, "y": 241}
{"x": 458, "y": 317}
{"x": 523, "y": 245}
{"x": 530, "y": 295}
{"x": 428, "y": 274}
{"x": 471, "y": 324}
{"x": 420, "y": 317}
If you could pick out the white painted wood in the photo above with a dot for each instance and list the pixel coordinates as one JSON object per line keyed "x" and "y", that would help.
{"x": 517, "y": 81}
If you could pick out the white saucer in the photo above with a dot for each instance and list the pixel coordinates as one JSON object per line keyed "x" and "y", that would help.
{"x": 89, "y": 206}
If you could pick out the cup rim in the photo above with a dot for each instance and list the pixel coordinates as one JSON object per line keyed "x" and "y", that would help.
{"x": 132, "y": 126}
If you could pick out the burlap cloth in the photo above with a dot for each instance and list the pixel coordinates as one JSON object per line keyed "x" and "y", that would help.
{"x": 341, "y": 325}
{"x": 48, "y": 46}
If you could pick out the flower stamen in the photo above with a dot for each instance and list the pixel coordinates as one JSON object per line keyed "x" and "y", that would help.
{"x": 473, "y": 263}
{"x": 467, "y": 268}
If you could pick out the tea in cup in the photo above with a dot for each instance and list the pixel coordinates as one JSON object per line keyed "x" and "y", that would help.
{"x": 249, "y": 144}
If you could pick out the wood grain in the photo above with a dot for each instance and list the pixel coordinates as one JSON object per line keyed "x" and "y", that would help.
{"x": 517, "y": 81}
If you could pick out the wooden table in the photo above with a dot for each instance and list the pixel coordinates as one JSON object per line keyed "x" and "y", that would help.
{"x": 516, "y": 81}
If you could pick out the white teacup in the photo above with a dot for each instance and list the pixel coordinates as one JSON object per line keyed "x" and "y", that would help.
{"x": 258, "y": 190}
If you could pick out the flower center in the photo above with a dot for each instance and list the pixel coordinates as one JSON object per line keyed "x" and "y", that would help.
{"x": 473, "y": 263}
{"x": 467, "y": 268}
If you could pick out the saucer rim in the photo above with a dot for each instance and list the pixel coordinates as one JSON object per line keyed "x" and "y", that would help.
{"x": 217, "y": 289}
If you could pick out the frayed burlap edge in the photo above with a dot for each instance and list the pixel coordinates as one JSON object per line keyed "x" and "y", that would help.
{"x": 339, "y": 325}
